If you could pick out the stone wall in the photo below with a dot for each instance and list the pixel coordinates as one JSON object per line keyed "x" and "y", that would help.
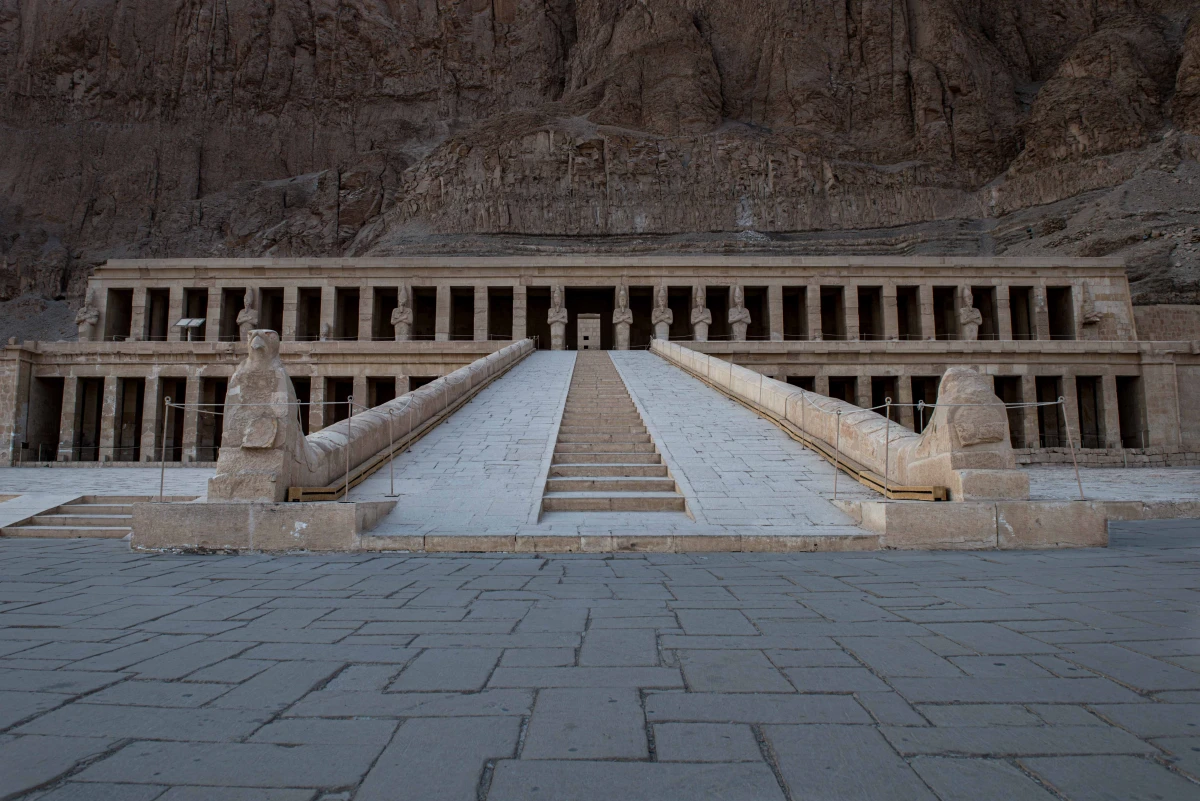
{"x": 965, "y": 447}
{"x": 1167, "y": 323}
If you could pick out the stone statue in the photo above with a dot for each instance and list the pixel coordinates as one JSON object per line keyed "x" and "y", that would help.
{"x": 402, "y": 316}
{"x": 326, "y": 331}
{"x": 1087, "y": 311}
{"x": 662, "y": 316}
{"x": 87, "y": 317}
{"x": 969, "y": 317}
{"x": 622, "y": 318}
{"x": 701, "y": 316}
{"x": 739, "y": 316}
{"x": 558, "y": 320}
{"x": 247, "y": 318}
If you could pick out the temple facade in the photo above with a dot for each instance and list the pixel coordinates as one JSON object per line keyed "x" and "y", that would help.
{"x": 859, "y": 329}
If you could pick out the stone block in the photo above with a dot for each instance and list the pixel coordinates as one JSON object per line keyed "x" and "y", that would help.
{"x": 924, "y": 525}
{"x": 1051, "y": 524}
{"x": 979, "y": 485}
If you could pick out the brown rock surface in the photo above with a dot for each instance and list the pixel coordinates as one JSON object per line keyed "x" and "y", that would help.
{"x": 205, "y": 128}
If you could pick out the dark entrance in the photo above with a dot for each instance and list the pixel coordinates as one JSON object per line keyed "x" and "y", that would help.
{"x": 600, "y": 300}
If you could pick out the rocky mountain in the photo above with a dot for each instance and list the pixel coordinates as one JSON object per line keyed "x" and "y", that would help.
{"x": 310, "y": 127}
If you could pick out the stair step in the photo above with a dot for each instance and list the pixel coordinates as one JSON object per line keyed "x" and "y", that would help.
{"x": 601, "y": 502}
{"x": 124, "y": 509}
{"x": 606, "y": 458}
{"x": 602, "y": 429}
{"x": 602, "y": 437}
{"x": 66, "y": 532}
{"x": 608, "y": 470}
{"x": 604, "y": 447}
{"x": 80, "y": 521}
{"x": 131, "y": 499}
{"x": 610, "y": 484}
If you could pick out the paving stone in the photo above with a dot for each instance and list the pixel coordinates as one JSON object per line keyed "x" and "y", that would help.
{"x": 1185, "y": 753}
{"x": 978, "y": 715}
{"x": 843, "y": 762}
{"x": 158, "y": 693}
{"x": 731, "y": 671}
{"x": 586, "y": 724}
{"x": 436, "y": 760}
{"x": 1133, "y": 669}
{"x": 538, "y": 657}
{"x": 279, "y": 686}
{"x": 1065, "y": 715}
{"x": 834, "y": 680}
{"x": 403, "y": 705}
{"x": 300, "y": 731}
{"x": 705, "y": 742}
{"x": 230, "y": 671}
{"x": 448, "y": 669}
{"x": 1114, "y": 778}
{"x": 160, "y": 723}
{"x": 989, "y": 638}
{"x": 586, "y": 677}
{"x": 56, "y": 681}
{"x": 1007, "y": 691}
{"x": 1154, "y": 720}
{"x": 759, "y": 708}
{"x": 88, "y": 791}
{"x": 16, "y": 706}
{"x": 714, "y": 621}
{"x": 889, "y": 708}
{"x": 898, "y": 656}
{"x": 1013, "y": 740}
{"x": 619, "y": 648}
{"x": 29, "y": 762}
{"x": 631, "y": 781}
{"x": 978, "y": 780}
{"x": 234, "y": 764}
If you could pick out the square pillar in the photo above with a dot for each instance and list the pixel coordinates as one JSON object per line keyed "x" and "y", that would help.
{"x": 775, "y": 312}
{"x": 316, "y": 404}
{"x": 175, "y": 314}
{"x": 1003, "y": 313}
{"x": 151, "y": 409}
{"x": 1041, "y": 316}
{"x": 1033, "y": 436}
{"x": 328, "y": 309}
{"x": 850, "y": 303}
{"x": 1112, "y": 418}
{"x": 1071, "y": 409}
{"x": 812, "y": 297}
{"x": 481, "y": 313}
{"x": 862, "y": 391}
{"x": 441, "y": 325}
{"x": 891, "y": 320}
{"x": 291, "y": 300}
{"x": 108, "y": 428}
{"x": 904, "y": 414}
{"x": 66, "y": 424}
{"x": 362, "y": 396}
{"x": 366, "y": 313}
{"x": 212, "y": 326}
{"x": 821, "y": 385}
{"x": 520, "y": 312}
{"x": 402, "y": 385}
{"x": 191, "y": 418}
{"x": 928, "y": 327}
{"x": 1162, "y": 404}
{"x": 137, "y": 320}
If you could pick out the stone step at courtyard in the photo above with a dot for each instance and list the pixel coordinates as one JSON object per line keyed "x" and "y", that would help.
{"x": 600, "y": 422}
{"x": 104, "y": 516}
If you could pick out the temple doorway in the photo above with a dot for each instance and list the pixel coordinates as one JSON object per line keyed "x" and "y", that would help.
{"x": 590, "y": 300}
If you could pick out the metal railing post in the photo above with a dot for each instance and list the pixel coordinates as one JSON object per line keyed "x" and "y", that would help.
{"x": 837, "y": 453}
{"x": 1071, "y": 444}
{"x": 162, "y": 451}
{"x": 887, "y": 447}
{"x": 349, "y": 433}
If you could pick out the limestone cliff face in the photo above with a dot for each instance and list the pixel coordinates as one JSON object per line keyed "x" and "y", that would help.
{"x": 252, "y": 127}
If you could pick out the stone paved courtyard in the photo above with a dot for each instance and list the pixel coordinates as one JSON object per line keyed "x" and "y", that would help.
{"x": 891, "y": 675}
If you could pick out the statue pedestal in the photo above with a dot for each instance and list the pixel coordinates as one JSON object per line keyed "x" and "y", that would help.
{"x": 737, "y": 332}
{"x": 700, "y": 332}
{"x": 558, "y": 336}
{"x": 622, "y": 336}
{"x": 662, "y": 331}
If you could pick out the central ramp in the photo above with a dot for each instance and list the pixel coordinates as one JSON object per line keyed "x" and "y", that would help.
{"x": 604, "y": 460}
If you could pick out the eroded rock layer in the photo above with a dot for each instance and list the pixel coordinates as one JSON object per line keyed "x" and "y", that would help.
{"x": 259, "y": 127}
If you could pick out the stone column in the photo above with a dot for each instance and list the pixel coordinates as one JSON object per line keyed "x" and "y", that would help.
{"x": 1003, "y": 313}
{"x": 175, "y": 314}
{"x": 441, "y": 324}
{"x": 366, "y": 313}
{"x": 291, "y": 300}
{"x": 850, "y": 301}
{"x": 151, "y": 422}
{"x": 928, "y": 327}
{"x": 361, "y": 393}
{"x": 66, "y": 424}
{"x": 821, "y": 384}
{"x": 1041, "y": 317}
{"x": 812, "y": 300}
{"x": 481, "y": 313}
{"x": 1110, "y": 408}
{"x": 520, "y": 312}
{"x": 904, "y": 415}
{"x": 316, "y": 403}
{"x": 775, "y": 312}
{"x": 891, "y": 320}
{"x": 108, "y": 421}
{"x": 1162, "y": 404}
{"x": 191, "y": 419}
{"x": 1071, "y": 410}
{"x": 137, "y": 319}
{"x": 401, "y": 385}
{"x": 1033, "y": 435}
{"x": 328, "y": 310}
{"x": 212, "y": 326}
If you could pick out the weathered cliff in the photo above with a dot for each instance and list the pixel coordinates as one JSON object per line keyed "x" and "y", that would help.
{"x": 198, "y": 127}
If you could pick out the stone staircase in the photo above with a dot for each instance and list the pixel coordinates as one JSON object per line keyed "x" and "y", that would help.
{"x": 604, "y": 459}
{"x": 105, "y": 516}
